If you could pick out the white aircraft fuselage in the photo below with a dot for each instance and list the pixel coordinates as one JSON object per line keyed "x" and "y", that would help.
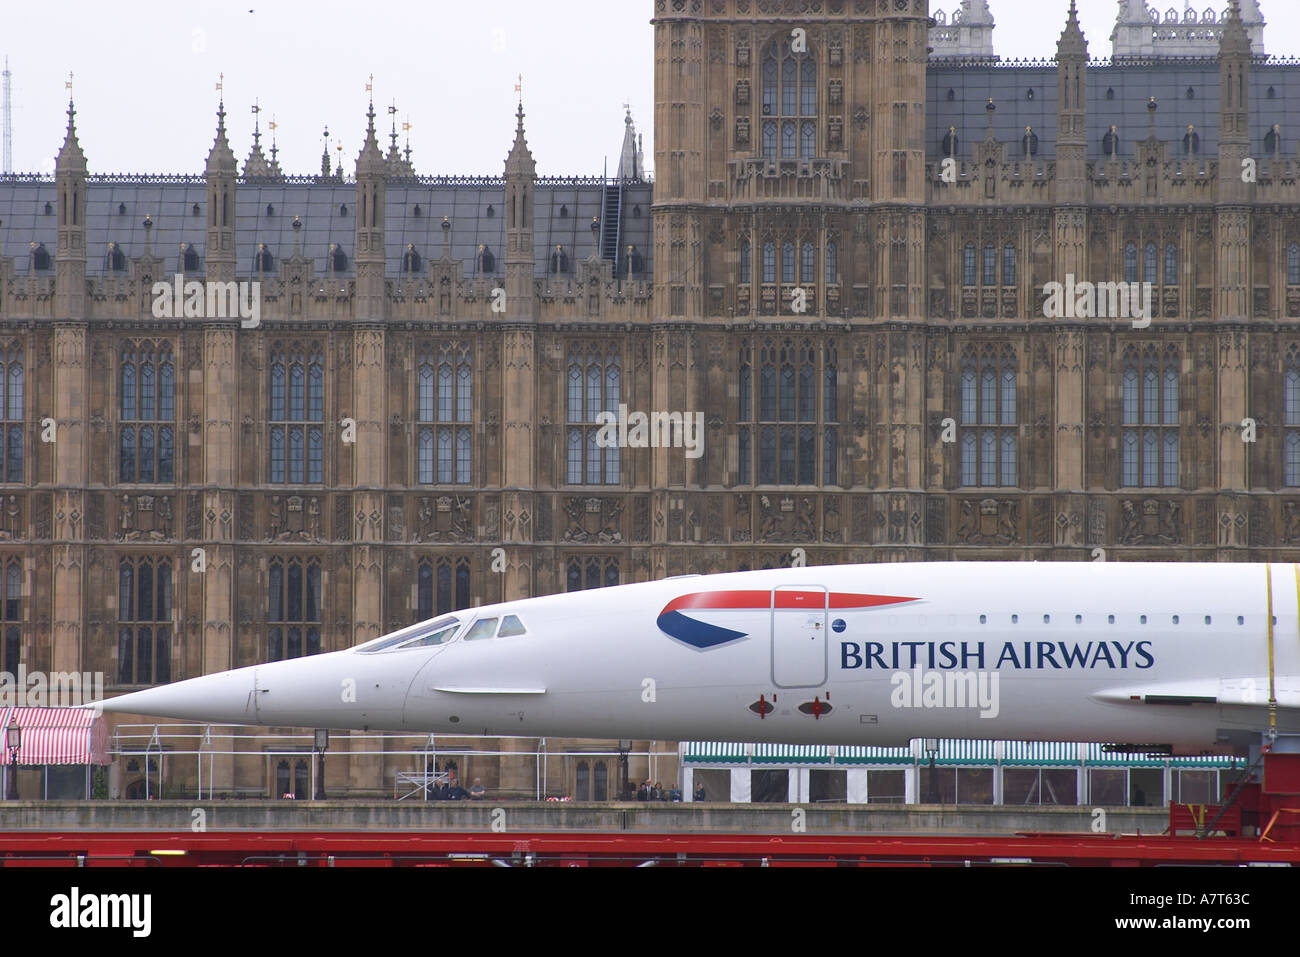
{"x": 1177, "y": 655}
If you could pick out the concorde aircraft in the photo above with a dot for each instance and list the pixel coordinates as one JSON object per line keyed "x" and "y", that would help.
{"x": 1183, "y": 658}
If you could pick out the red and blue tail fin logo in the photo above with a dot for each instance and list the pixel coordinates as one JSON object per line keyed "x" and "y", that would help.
{"x": 704, "y": 635}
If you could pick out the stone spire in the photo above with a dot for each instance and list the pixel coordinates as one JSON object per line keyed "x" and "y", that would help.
{"x": 257, "y": 166}
{"x": 520, "y": 161}
{"x": 1072, "y": 111}
{"x": 70, "y": 249}
{"x": 372, "y": 171}
{"x": 70, "y": 156}
{"x": 631, "y": 162}
{"x": 221, "y": 172}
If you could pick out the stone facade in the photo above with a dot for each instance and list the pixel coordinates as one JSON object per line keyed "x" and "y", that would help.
{"x": 860, "y": 322}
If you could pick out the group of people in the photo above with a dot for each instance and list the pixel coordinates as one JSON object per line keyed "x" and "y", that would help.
{"x": 452, "y": 791}
{"x": 655, "y": 792}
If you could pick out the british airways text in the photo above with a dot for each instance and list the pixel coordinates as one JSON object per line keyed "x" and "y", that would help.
{"x": 1019, "y": 656}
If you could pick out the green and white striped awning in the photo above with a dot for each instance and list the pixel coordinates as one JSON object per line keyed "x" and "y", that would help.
{"x": 952, "y": 753}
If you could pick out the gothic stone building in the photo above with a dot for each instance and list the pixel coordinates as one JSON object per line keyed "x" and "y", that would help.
{"x": 841, "y": 263}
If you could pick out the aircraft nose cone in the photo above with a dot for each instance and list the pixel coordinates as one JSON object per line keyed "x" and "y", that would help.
{"x": 226, "y": 698}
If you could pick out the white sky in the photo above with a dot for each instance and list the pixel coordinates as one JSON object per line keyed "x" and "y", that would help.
{"x": 145, "y": 74}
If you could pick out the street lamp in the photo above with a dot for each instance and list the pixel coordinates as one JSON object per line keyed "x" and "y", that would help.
{"x": 932, "y": 749}
{"x": 321, "y": 745}
{"x": 13, "y": 742}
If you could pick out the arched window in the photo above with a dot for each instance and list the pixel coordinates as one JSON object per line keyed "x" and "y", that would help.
{"x": 1150, "y": 263}
{"x": 297, "y": 420}
{"x": 745, "y": 262}
{"x": 12, "y": 412}
{"x": 789, "y": 377}
{"x": 293, "y": 608}
{"x": 1191, "y": 142}
{"x": 147, "y": 413}
{"x": 968, "y": 265}
{"x": 444, "y": 409}
{"x": 789, "y": 82}
{"x": 595, "y": 390}
{"x": 808, "y": 265}
{"x": 1029, "y": 143}
{"x": 988, "y": 403}
{"x": 787, "y": 263}
{"x": 582, "y": 792}
{"x": 435, "y": 592}
{"x": 1271, "y": 140}
{"x": 1131, "y": 263}
{"x": 487, "y": 263}
{"x": 599, "y": 781}
{"x": 144, "y": 621}
{"x": 832, "y": 264}
{"x": 1008, "y": 265}
{"x": 1149, "y": 410}
{"x": 11, "y": 615}
{"x": 769, "y": 262}
{"x": 411, "y": 262}
{"x": 263, "y": 261}
{"x": 950, "y": 142}
{"x": 338, "y": 259}
{"x": 990, "y": 271}
{"x": 1171, "y": 265}
{"x": 1110, "y": 143}
{"x": 1293, "y": 265}
{"x": 1291, "y": 418}
{"x": 592, "y": 572}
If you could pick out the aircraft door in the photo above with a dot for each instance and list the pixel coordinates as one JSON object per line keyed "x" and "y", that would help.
{"x": 799, "y": 622}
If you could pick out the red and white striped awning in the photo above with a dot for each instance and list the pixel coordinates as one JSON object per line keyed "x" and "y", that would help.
{"x": 57, "y": 736}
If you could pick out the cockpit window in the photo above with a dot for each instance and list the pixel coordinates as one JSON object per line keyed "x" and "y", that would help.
{"x": 434, "y": 636}
{"x": 511, "y": 627}
{"x": 415, "y": 636}
{"x": 483, "y": 628}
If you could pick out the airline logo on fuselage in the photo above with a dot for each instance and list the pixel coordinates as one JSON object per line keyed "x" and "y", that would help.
{"x": 704, "y": 635}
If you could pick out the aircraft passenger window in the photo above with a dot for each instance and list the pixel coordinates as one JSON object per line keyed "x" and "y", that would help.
{"x": 1015, "y": 619}
{"x": 1078, "y": 619}
{"x": 511, "y": 627}
{"x": 984, "y": 619}
{"x": 1110, "y": 619}
{"x": 1207, "y": 619}
{"x": 1241, "y": 620}
{"x": 1175, "y": 619}
{"x": 483, "y": 628}
{"x": 1144, "y": 619}
{"x": 1047, "y": 619}
{"x": 435, "y": 636}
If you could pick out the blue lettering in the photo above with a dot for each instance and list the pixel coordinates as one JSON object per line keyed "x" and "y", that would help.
{"x": 1145, "y": 654}
{"x": 945, "y": 651}
{"x": 1076, "y": 657}
{"x": 874, "y": 648}
{"x": 1008, "y": 654}
{"x": 913, "y": 645}
{"x": 1047, "y": 651}
{"x": 1103, "y": 651}
{"x": 966, "y": 656}
{"x": 1123, "y": 652}
{"x": 849, "y": 650}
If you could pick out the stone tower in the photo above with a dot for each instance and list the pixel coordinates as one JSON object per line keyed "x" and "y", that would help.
{"x": 368, "y": 386}
{"x": 69, "y": 401}
{"x": 221, "y": 385}
{"x": 1071, "y": 235}
{"x": 519, "y": 333}
{"x": 1233, "y": 238}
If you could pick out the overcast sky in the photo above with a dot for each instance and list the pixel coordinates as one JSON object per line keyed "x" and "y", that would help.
{"x": 145, "y": 75}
